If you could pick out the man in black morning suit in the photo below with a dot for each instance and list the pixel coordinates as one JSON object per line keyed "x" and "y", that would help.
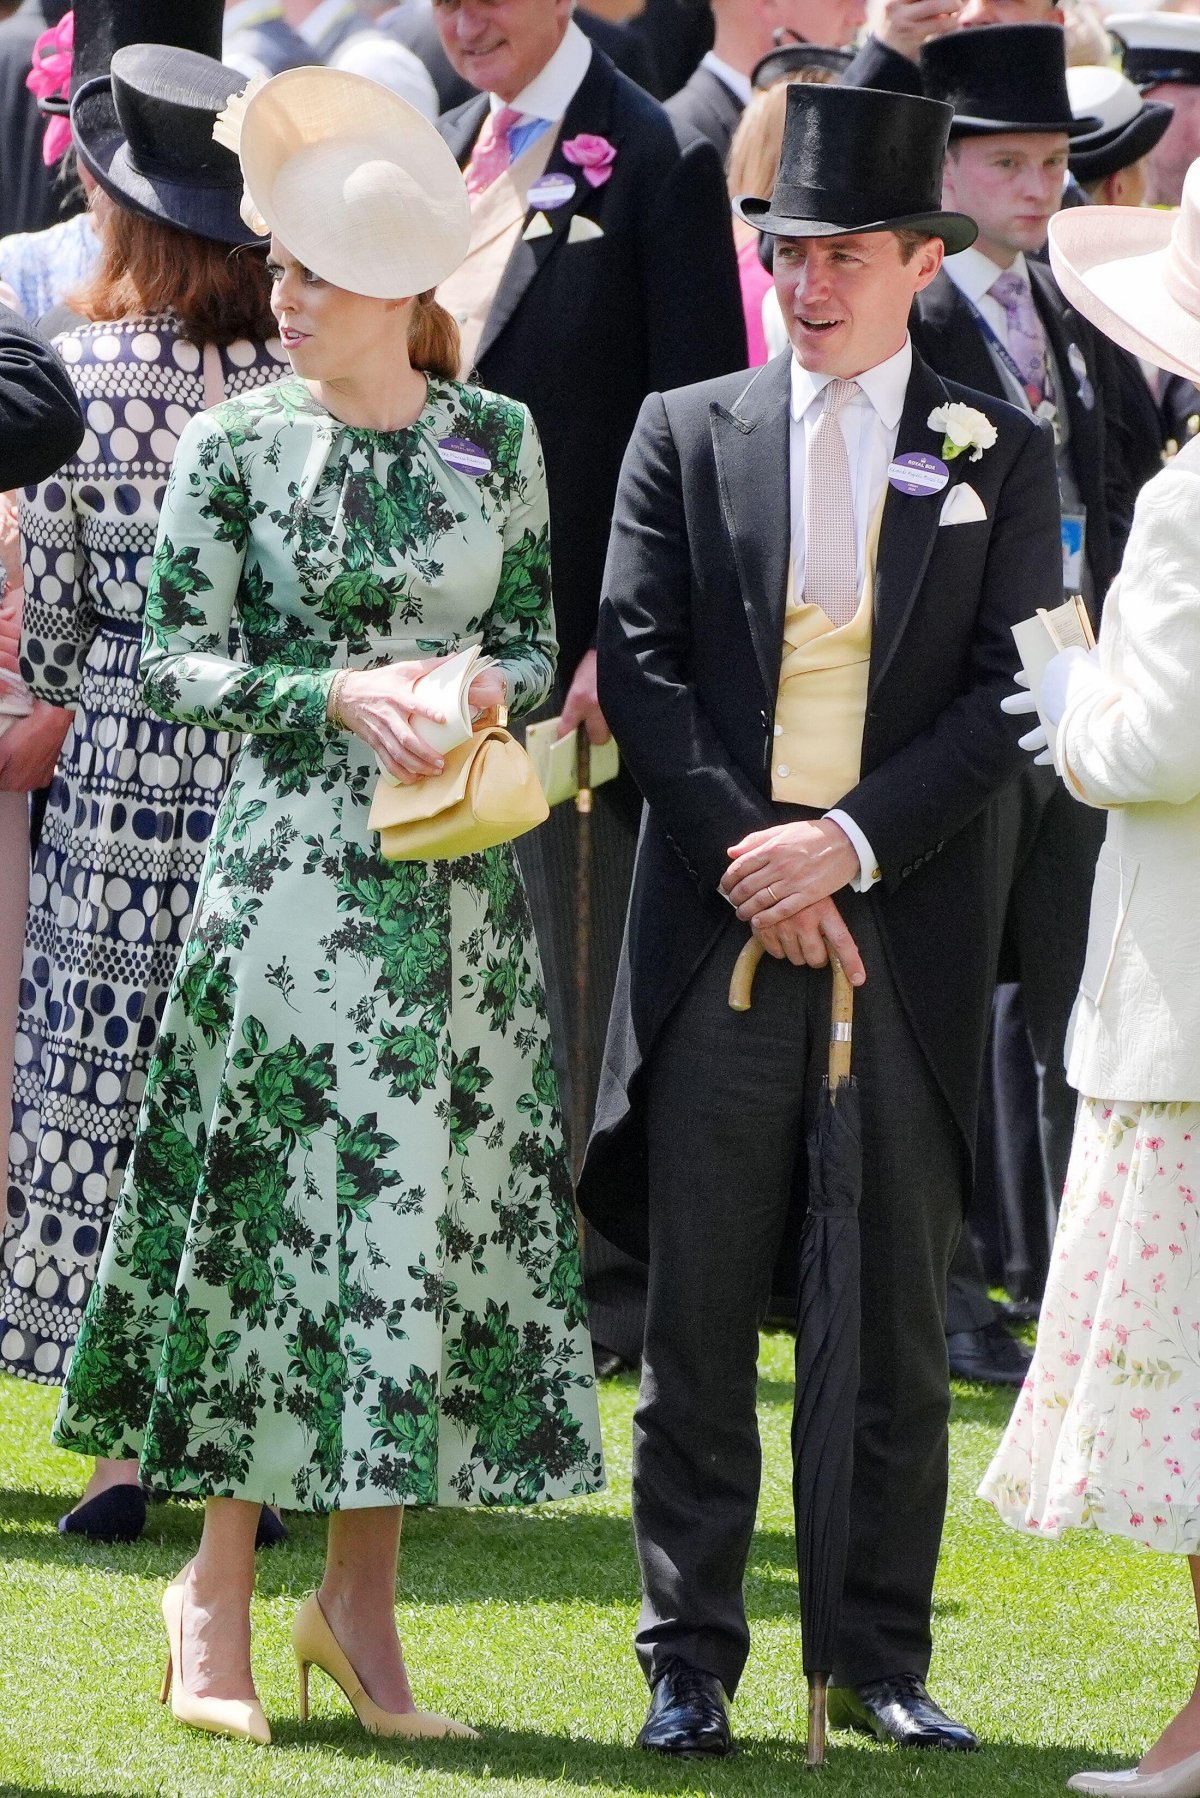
{"x": 878, "y": 834}
{"x": 588, "y": 302}
{"x": 1008, "y": 152}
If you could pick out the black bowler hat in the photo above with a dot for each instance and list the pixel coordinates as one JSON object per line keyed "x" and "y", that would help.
{"x": 102, "y": 27}
{"x": 793, "y": 59}
{"x": 859, "y": 159}
{"x": 158, "y": 157}
{"x": 1003, "y": 78}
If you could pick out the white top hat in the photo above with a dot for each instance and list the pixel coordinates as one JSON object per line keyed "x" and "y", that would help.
{"x": 1135, "y": 273}
{"x": 355, "y": 182}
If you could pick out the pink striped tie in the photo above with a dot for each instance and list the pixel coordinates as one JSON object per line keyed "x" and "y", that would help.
{"x": 492, "y": 153}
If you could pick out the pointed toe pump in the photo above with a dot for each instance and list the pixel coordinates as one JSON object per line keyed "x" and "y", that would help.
{"x": 316, "y": 1646}
{"x": 240, "y": 1717}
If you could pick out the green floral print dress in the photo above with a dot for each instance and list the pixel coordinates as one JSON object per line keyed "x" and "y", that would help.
{"x": 344, "y": 1268}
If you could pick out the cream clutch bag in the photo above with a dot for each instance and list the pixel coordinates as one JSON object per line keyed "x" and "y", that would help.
{"x": 487, "y": 793}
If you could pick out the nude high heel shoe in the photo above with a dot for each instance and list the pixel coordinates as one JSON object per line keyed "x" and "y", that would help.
{"x": 241, "y": 1717}
{"x": 317, "y": 1646}
{"x": 1180, "y": 1781}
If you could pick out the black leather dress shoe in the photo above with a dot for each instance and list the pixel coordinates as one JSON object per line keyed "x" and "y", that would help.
{"x": 688, "y": 1715}
{"x": 988, "y": 1355}
{"x": 898, "y": 1710}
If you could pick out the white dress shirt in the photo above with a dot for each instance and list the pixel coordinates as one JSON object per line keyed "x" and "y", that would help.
{"x": 869, "y": 423}
{"x": 374, "y": 54}
{"x": 973, "y": 273}
{"x": 739, "y": 85}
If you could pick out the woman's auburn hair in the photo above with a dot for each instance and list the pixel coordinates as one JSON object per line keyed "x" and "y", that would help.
{"x": 434, "y": 343}
{"x": 219, "y": 293}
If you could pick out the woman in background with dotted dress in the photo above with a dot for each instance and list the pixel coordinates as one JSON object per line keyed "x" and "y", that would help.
{"x": 181, "y": 314}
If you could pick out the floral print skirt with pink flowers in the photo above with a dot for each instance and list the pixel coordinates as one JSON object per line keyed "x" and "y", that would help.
{"x": 1106, "y": 1432}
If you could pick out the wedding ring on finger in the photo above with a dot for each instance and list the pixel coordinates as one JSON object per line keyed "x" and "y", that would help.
{"x": 772, "y": 895}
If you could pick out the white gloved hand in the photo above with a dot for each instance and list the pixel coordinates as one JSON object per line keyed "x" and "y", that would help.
{"x": 1024, "y": 705}
{"x": 1065, "y": 675}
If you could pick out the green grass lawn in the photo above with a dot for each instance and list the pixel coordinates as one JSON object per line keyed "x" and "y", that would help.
{"x": 1060, "y": 1656}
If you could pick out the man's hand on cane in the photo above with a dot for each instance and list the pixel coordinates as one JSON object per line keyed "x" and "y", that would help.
{"x": 806, "y": 938}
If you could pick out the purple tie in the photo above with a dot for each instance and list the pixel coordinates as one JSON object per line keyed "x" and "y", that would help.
{"x": 1026, "y": 339}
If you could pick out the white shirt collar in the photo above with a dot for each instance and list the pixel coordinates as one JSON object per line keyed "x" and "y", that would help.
{"x": 322, "y": 19}
{"x": 973, "y": 273}
{"x": 556, "y": 85}
{"x": 739, "y": 85}
{"x": 885, "y": 386}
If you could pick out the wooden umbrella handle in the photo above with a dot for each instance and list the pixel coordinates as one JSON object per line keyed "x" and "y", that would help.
{"x": 841, "y": 1023}
{"x": 741, "y": 983}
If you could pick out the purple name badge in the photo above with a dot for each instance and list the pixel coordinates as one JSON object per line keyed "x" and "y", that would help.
{"x": 551, "y": 191}
{"x": 918, "y": 474}
{"x": 465, "y": 457}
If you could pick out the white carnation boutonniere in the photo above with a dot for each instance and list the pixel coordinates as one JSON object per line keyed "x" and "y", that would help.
{"x": 963, "y": 429}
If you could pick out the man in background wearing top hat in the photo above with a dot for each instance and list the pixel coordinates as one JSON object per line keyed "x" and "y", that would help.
{"x": 1160, "y": 53}
{"x": 587, "y": 286}
{"x": 890, "y": 57}
{"x": 994, "y": 319}
{"x": 801, "y": 653}
{"x": 748, "y": 30}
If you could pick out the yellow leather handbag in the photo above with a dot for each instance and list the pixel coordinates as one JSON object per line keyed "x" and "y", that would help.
{"x": 487, "y": 793}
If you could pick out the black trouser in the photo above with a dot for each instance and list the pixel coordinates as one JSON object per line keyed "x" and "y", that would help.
{"x": 730, "y": 1097}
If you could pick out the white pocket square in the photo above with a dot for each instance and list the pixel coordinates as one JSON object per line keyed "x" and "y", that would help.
{"x": 962, "y": 505}
{"x": 583, "y": 230}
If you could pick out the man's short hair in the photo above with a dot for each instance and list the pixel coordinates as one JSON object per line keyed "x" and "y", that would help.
{"x": 910, "y": 242}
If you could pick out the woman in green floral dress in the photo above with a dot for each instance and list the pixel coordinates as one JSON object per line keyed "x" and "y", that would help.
{"x": 344, "y": 1274}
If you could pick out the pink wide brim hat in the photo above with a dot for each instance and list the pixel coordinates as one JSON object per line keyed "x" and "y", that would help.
{"x": 1134, "y": 272}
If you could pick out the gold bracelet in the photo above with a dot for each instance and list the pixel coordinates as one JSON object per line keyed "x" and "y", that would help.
{"x": 333, "y": 706}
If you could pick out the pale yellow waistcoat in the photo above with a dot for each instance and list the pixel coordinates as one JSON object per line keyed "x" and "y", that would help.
{"x": 821, "y": 710}
{"x": 497, "y": 223}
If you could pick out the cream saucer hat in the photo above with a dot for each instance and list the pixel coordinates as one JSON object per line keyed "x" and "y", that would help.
{"x": 355, "y": 182}
{"x": 1135, "y": 273}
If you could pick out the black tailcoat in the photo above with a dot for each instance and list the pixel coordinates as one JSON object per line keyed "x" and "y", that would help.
{"x": 947, "y": 334}
{"x": 582, "y": 332}
{"x": 690, "y": 641}
{"x": 706, "y": 105}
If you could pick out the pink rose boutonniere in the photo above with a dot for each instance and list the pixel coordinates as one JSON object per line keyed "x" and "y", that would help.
{"x": 594, "y": 155}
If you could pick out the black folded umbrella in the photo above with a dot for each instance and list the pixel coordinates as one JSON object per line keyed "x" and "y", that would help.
{"x": 827, "y": 1347}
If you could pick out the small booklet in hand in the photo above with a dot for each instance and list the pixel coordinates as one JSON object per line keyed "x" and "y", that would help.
{"x": 556, "y": 759}
{"x": 447, "y": 686}
{"x": 1040, "y": 638}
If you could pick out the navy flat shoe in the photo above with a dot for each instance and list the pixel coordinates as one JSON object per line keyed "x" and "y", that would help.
{"x": 118, "y": 1515}
{"x": 271, "y": 1531}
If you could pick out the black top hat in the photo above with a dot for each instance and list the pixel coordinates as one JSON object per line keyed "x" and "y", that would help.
{"x": 1103, "y": 153}
{"x": 1003, "y": 78}
{"x": 793, "y": 59}
{"x": 102, "y": 27}
{"x": 858, "y": 159}
{"x": 158, "y": 156}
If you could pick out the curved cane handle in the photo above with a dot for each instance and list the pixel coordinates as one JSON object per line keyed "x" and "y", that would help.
{"x": 741, "y": 982}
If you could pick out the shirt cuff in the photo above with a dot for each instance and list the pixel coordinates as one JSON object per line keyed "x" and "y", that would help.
{"x": 868, "y": 868}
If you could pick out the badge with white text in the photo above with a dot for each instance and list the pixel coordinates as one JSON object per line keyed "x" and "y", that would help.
{"x": 551, "y": 191}
{"x": 918, "y": 474}
{"x": 465, "y": 457}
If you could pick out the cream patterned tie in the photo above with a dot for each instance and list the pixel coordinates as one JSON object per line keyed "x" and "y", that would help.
{"x": 830, "y": 554}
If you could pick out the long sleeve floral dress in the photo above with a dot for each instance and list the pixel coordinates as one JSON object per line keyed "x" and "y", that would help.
{"x": 344, "y": 1269}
